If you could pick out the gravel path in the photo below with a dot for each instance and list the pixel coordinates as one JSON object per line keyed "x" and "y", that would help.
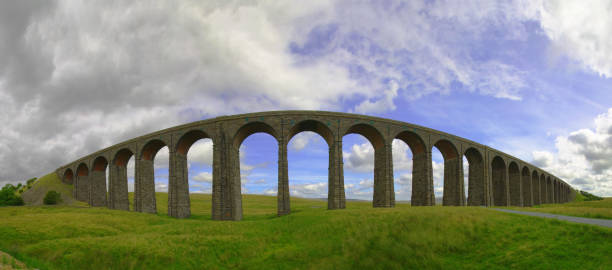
{"x": 592, "y": 221}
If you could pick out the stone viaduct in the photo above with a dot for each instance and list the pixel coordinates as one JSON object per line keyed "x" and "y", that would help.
{"x": 494, "y": 178}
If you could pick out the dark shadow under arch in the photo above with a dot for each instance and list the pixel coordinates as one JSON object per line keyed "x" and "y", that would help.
{"x": 514, "y": 184}
{"x": 535, "y": 186}
{"x": 476, "y": 179}
{"x": 526, "y": 187}
{"x": 68, "y": 177}
{"x": 499, "y": 179}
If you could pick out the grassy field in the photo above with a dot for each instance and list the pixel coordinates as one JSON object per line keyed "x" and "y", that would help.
{"x": 590, "y": 209}
{"x": 359, "y": 237}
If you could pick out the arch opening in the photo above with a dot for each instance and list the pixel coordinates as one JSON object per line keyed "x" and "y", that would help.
{"x": 476, "y": 179}
{"x": 499, "y": 179}
{"x": 252, "y": 128}
{"x": 371, "y": 150}
{"x": 193, "y": 172}
{"x": 413, "y": 183}
{"x": 514, "y": 184}
{"x": 68, "y": 177}
{"x": 257, "y": 170}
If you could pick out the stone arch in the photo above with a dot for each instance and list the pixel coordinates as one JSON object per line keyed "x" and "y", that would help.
{"x": 535, "y": 185}
{"x": 118, "y": 180}
{"x": 150, "y": 149}
{"x": 82, "y": 183}
{"x": 422, "y": 189}
{"x": 68, "y": 177}
{"x": 179, "y": 203}
{"x": 97, "y": 192}
{"x": 526, "y": 186}
{"x": 250, "y": 129}
{"x": 233, "y": 189}
{"x": 283, "y": 193}
{"x": 514, "y": 184}
{"x": 476, "y": 177}
{"x": 370, "y": 132}
{"x": 188, "y": 139}
{"x": 453, "y": 173}
{"x": 499, "y": 179}
{"x": 384, "y": 194}
{"x": 313, "y": 126}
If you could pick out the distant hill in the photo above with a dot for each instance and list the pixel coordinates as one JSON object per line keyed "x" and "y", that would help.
{"x": 35, "y": 195}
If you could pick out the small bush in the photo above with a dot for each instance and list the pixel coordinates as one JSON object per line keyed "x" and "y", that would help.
{"x": 52, "y": 197}
{"x": 8, "y": 197}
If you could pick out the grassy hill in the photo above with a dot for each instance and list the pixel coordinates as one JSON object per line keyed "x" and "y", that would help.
{"x": 35, "y": 194}
{"x": 312, "y": 237}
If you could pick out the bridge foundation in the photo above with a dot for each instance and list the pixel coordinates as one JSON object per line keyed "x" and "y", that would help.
{"x": 335, "y": 189}
{"x": 283, "y": 199}
{"x": 144, "y": 187}
{"x": 117, "y": 188}
{"x": 453, "y": 182}
{"x": 179, "y": 205}
{"x": 97, "y": 188}
{"x": 422, "y": 180}
{"x": 384, "y": 195}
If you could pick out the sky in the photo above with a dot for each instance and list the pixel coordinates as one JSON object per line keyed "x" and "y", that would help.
{"x": 530, "y": 78}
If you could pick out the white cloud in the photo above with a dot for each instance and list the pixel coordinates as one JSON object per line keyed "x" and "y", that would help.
{"x": 201, "y": 152}
{"x": 581, "y": 29}
{"x": 301, "y": 140}
{"x": 203, "y": 177}
{"x": 584, "y": 157}
{"x": 360, "y": 159}
{"x": 312, "y": 190}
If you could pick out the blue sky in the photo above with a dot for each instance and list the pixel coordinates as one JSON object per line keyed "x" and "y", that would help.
{"x": 531, "y": 78}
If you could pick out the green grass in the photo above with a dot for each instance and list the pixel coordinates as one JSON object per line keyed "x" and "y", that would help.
{"x": 359, "y": 237}
{"x": 579, "y": 208}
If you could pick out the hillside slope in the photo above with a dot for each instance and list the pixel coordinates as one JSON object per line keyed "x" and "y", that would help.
{"x": 36, "y": 194}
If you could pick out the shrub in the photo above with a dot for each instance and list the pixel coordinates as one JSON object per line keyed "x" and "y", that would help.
{"x": 8, "y": 197}
{"x": 590, "y": 197}
{"x": 52, "y": 197}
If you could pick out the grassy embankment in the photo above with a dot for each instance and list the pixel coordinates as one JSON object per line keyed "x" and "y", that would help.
{"x": 578, "y": 208}
{"x": 359, "y": 237}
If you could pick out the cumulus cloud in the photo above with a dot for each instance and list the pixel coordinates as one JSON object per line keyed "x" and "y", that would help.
{"x": 583, "y": 157}
{"x": 202, "y": 177}
{"x": 313, "y": 190}
{"x": 580, "y": 29}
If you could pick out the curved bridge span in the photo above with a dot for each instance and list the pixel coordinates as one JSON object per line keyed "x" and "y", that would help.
{"x": 495, "y": 178}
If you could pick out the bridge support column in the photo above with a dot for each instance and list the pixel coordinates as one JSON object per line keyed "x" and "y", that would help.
{"x": 422, "y": 180}
{"x": 526, "y": 190}
{"x": 454, "y": 193}
{"x": 118, "y": 188}
{"x": 144, "y": 187}
{"x": 227, "y": 200}
{"x": 284, "y": 207}
{"x": 179, "y": 205}
{"x": 82, "y": 188}
{"x": 335, "y": 189}
{"x": 384, "y": 195}
{"x": 97, "y": 188}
